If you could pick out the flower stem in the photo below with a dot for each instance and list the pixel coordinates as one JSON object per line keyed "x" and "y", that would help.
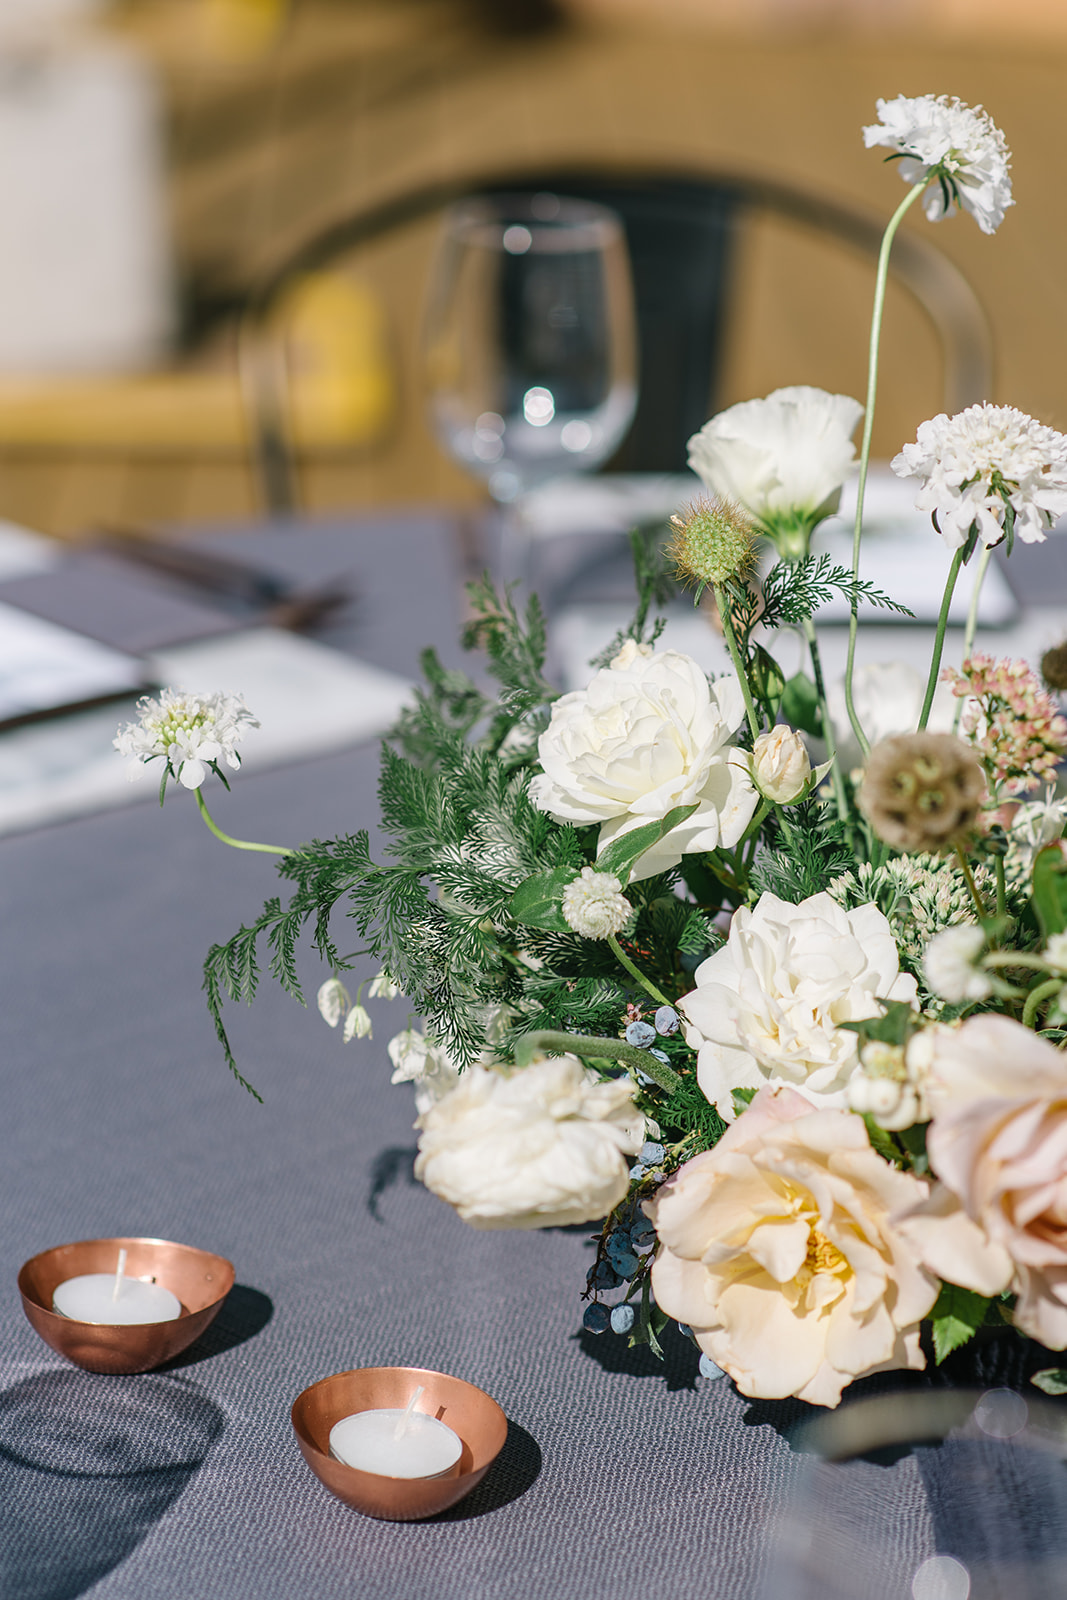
{"x": 1037, "y": 998}
{"x": 723, "y": 603}
{"x": 239, "y": 844}
{"x": 836, "y": 775}
{"x": 551, "y": 1041}
{"x": 880, "y": 280}
{"x": 1002, "y": 887}
{"x": 635, "y": 972}
{"x": 939, "y": 638}
{"x": 968, "y": 878}
{"x": 972, "y": 620}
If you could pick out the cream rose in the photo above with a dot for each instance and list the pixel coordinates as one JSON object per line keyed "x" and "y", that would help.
{"x": 537, "y": 1148}
{"x": 648, "y": 734}
{"x": 768, "y": 1005}
{"x": 998, "y": 1143}
{"x": 778, "y": 1251}
{"x": 779, "y": 764}
{"x": 784, "y": 458}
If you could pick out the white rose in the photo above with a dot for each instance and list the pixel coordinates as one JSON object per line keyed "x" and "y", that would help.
{"x": 768, "y": 1004}
{"x": 780, "y": 766}
{"x": 777, "y": 1248}
{"x": 538, "y": 1148}
{"x": 643, "y": 738}
{"x": 785, "y": 457}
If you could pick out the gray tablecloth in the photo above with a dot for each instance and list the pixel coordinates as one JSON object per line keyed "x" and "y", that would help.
{"x": 620, "y": 1476}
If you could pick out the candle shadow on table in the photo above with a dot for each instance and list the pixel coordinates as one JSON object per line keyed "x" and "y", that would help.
{"x": 512, "y": 1473}
{"x": 678, "y": 1369}
{"x": 88, "y": 1465}
{"x": 395, "y": 1164}
{"x": 245, "y": 1312}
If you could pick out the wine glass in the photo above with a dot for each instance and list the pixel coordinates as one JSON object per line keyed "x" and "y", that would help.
{"x": 928, "y": 1495}
{"x": 529, "y": 340}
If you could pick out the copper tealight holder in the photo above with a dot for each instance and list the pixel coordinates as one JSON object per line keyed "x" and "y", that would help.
{"x": 468, "y": 1411}
{"x": 200, "y": 1280}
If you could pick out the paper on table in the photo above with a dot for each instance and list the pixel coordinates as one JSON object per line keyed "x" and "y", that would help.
{"x": 309, "y": 699}
{"x": 43, "y": 665}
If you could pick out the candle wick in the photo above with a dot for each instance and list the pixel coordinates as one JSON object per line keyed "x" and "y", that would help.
{"x": 116, "y": 1291}
{"x": 403, "y": 1422}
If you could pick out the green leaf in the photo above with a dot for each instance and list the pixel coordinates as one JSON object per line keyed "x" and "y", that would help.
{"x": 742, "y": 1099}
{"x": 619, "y": 856}
{"x": 1053, "y": 1380}
{"x": 537, "y": 902}
{"x": 957, "y": 1315}
{"x": 768, "y": 680}
{"x": 892, "y": 1028}
{"x": 881, "y": 1141}
{"x": 1050, "y": 890}
{"x": 800, "y": 705}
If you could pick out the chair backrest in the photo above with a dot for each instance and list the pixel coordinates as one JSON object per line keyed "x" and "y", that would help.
{"x": 680, "y": 230}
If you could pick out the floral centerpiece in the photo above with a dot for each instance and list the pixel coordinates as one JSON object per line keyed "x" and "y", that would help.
{"x": 791, "y": 1035}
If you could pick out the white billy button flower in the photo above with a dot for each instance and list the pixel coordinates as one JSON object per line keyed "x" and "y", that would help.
{"x": 191, "y": 733}
{"x": 594, "y": 905}
{"x": 974, "y": 465}
{"x": 959, "y": 146}
{"x": 949, "y": 964}
{"x": 784, "y": 458}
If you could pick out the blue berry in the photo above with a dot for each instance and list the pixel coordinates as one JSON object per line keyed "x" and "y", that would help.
{"x": 622, "y": 1319}
{"x": 637, "y": 1170}
{"x": 597, "y": 1319}
{"x": 603, "y": 1276}
{"x": 667, "y": 1020}
{"x": 625, "y": 1265}
{"x": 643, "y": 1077}
{"x": 641, "y": 1034}
{"x": 642, "y": 1232}
{"x": 707, "y": 1367}
{"x": 661, "y": 1055}
{"x": 651, "y": 1153}
{"x": 683, "y": 1327}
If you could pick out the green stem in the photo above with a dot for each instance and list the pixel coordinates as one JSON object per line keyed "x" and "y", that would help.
{"x": 723, "y": 603}
{"x": 552, "y": 1042}
{"x": 972, "y": 887}
{"x": 1037, "y": 997}
{"x": 635, "y": 972}
{"x": 239, "y": 844}
{"x": 972, "y": 620}
{"x": 881, "y": 278}
{"x": 1002, "y": 887}
{"x": 836, "y": 776}
{"x": 939, "y": 639}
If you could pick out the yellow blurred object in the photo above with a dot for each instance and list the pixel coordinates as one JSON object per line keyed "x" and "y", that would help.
{"x": 339, "y": 388}
{"x": 241, "y": 27}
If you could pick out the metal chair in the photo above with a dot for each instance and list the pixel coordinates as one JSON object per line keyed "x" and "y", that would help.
{"x": 680, "y": 229}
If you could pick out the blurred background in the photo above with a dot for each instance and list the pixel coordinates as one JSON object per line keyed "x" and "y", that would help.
{"x": 221, "y": 218}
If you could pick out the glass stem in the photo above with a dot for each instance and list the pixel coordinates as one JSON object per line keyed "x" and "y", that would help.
{"x": 972, "y": 621}
{"x": 939, "y": 637}
{"x": 635, "y": 972}
{"x": 836, "y": 775}
{"x": 881, "y": 278}
{"x": 238, "y": 844}
{"x": 723, "y": 603}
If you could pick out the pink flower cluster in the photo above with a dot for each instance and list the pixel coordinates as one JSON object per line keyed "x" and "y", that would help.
{"x": 1011, "y": 721}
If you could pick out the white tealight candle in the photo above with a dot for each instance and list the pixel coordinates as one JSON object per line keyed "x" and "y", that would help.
{"x": 111, "y": 1297}
{"x": 395, "y": 1443}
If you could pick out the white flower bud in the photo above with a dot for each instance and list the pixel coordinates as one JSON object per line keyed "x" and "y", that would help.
{"x": 1055, "y": 952}
{"x": 334, "y": 1000}
{"x": 780, "y": 766}
{"x": 357, "y": 1025}
{"x": 383, "y": 987}
{"x": 949, "y": 964}
{"x": 884, "y": 1096}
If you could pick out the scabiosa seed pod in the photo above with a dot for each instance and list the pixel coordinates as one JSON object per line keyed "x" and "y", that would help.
{"x": 712, "y": 540}
{"x": 922, "y": 791}
{"x": 1054, "y": 666}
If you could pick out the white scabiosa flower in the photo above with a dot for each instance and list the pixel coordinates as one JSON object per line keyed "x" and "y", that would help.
{"x": 958, "y": 146}
{"x": 542, "y": 1147}
{"x": 949, "y": 965}
{"x": 784, "y": 459}
{"x": 594, "y": 904}
{"x": 333, "y": 1001}
{"x": 974, "y": 465}
{"x": 191, "y": 733}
